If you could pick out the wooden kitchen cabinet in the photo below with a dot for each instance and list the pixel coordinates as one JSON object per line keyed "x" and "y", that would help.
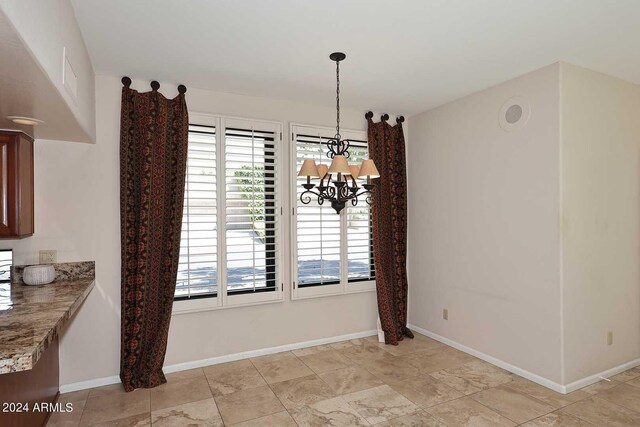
{"x": 16, "y": 185}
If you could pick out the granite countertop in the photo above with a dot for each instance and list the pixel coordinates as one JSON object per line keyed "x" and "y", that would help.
{"x": 32, "y": 316}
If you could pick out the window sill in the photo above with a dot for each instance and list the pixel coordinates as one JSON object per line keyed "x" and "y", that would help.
{"x": 332, "y": 290}
{"x": 213, "y": 304}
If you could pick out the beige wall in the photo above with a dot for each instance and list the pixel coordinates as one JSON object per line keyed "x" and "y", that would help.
{"x": 77, "y": 213}
{"x": 600, "y": 221}
{"x": 483, "y": 224}
{"x": 531, "y": 238}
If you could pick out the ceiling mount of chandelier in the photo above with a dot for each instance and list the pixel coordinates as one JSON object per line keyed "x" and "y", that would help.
{"x": 337, "y": 184}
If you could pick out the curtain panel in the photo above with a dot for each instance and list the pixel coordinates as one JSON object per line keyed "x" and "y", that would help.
{"x": 389, "y": 216}
{"x": 153, "y": 157}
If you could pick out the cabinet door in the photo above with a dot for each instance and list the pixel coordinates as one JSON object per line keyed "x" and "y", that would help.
{"x": 16, "y": 185}
{"x": 24, "y": 226}
{"x": 6, "y": 187}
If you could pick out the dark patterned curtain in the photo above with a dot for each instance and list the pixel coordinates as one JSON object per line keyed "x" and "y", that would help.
{"x": 389, "y": 214}
{"x": 153, "y": 157}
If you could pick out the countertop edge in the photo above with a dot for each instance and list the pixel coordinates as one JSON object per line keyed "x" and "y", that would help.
{"x": 55, "y": 331}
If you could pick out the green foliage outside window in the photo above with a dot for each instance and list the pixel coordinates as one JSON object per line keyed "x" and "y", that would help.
{"x": 250, "y": 181}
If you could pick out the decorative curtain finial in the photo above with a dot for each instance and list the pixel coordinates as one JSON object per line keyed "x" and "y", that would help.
{"x": 369, "y": 115}
{"x": 182, "y": 89}
{"x": 155, "y": 85}
{"x": 126, "y": 81}
{"x": 384, "y": 117}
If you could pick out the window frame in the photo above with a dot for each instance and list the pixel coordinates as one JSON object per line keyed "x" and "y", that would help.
{"x": 345, "y": 286}
{"x": 222, "y": 299}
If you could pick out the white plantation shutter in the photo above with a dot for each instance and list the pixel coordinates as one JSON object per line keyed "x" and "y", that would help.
{"x": 197, "y": 268}
{"x": 318, "y": 226}
{"x": 359, "y": 235}
{"x": 321, "y": 239}
{"x": 251, "y": 208}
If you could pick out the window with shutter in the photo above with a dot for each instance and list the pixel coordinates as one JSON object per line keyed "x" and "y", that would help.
{"x": 250, "y": 165}
{"x": 229, "y": 249}
{"x": 333, "y": 253}
{"x": 197, "y": 268}
{"x": 318, "y": 226}
{"x": 359, "y": 233}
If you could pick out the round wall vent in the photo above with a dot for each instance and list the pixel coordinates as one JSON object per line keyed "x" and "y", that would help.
{"x": 514, "y": 113}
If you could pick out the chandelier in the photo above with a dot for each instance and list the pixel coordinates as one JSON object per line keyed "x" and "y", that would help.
{"x": 338, "y": 183}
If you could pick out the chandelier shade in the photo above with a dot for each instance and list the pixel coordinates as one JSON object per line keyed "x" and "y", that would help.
{"x": 339, "y": 165}
{"x": 309, "y": 169}
{"x": 322, "y": 170}
{"x": 335, "y": 185}
{"x": 368, "y": 170}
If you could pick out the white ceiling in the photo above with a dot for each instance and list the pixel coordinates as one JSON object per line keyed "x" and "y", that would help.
{"x": 403, "y": 56}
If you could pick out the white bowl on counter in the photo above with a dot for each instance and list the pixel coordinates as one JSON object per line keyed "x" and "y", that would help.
{"x": 38, "y": 274}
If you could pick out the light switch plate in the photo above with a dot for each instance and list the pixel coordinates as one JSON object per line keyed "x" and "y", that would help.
{"x": 445, "y": 314}
{"x": 49, "y": 256}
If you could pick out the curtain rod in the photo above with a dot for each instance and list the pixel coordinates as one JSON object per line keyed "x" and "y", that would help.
{"x": 126, "y": 81}
{"x": 384, "y": 117}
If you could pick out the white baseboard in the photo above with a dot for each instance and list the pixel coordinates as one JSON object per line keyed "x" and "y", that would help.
{"x": 494, "y": 361}
{"x": 98, "y": 382}
{"x": 264, "y": 351}
{"x": 83, "y": 385}
{"x": 576, "y": 385}
{"x": 526, "y": 374}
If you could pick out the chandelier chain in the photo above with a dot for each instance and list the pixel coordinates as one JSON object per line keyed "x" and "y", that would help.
{"x": 338, "y": 99}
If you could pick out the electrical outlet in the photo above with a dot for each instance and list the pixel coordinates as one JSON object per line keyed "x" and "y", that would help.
{"x": 445, "y": 314}
{"x": 48, "y": 256}
{"x": 610, "y": 338}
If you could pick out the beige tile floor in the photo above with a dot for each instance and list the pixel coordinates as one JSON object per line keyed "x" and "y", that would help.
{"x": 421, "y": 382}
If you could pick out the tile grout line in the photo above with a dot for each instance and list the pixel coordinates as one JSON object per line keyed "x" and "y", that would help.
{"x": 269, "y": 386}
{"x": 613, "y": 403}
{"x": 341, "y": 396}
{"x": 505, "y": 384}
{"x": 516, "y": 391}
{"x": 419, "y": 407}
{"x": 336, "y": 396}
{"x": 212, "y": 396}
{"x": 557, "y": 410}
{"x": 83, "y": 410}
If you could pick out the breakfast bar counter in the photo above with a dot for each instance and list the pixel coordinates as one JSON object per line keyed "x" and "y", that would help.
{"x": 31, "y": 316}
{"x": 31, "y": 320}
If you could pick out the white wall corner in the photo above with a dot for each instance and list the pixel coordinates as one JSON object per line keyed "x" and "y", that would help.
{"x": 560, "y": 388}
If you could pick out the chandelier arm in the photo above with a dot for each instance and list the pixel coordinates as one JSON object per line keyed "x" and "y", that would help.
{"x": 345, "y": 147}
{"x": 306, "y": 199}
{"x": 347, "y": 193}
{"x": 331, "y": 192}
{"x": 329, "y": 179}
{"x": 364, "y": 192}
{"x": 332, "y": 147}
